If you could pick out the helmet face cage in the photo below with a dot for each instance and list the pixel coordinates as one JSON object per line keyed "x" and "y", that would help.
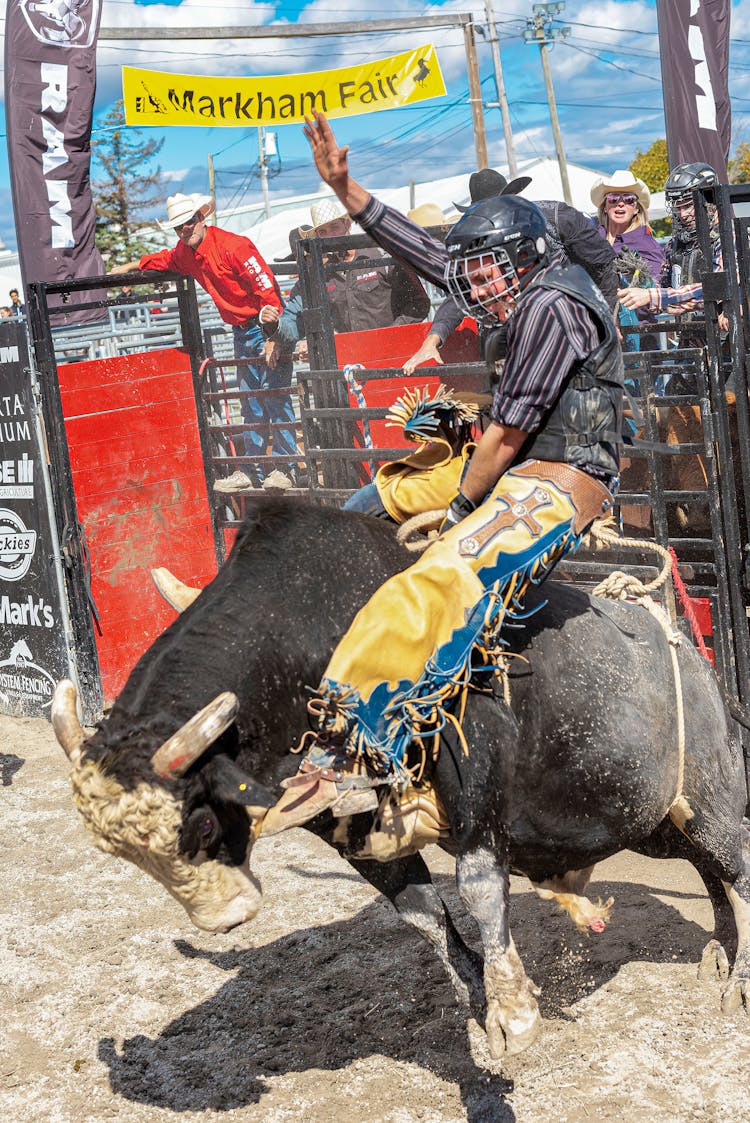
{"x": 681, "y": 183}
{"x": 459, "y": 285}
{"x": 683, "y": 226}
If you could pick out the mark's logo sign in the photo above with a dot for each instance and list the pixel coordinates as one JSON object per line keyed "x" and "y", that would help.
{"x": 62, "y": 23}
{"x": 17, "y": 545}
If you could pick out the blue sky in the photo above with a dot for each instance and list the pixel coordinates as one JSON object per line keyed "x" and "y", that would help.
{"x": 606, "y": 76}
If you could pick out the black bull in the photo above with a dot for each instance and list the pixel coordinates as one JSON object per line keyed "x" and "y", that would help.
{"x": 584, "y": 761}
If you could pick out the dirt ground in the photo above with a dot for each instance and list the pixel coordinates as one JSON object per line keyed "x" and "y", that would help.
{"x": 327, "y": 1008}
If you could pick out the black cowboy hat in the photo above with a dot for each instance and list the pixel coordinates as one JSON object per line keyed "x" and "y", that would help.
{"x": 487, "y": 183}
{"x": 295, "y": 236}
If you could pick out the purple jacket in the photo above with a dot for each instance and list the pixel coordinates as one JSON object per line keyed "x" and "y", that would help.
{"x": 643, "y": 243}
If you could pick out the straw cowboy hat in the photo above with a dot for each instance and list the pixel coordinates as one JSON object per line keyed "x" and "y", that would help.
{"x": 427, "y": 214}
{"x": 327, "y": 210}
{"x": 488, "y": 183}
{"x": 620, "y": 181}
{"x": 181, "y": 208}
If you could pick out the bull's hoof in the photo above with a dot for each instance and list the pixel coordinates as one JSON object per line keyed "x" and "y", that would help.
{"x": 511, "y": 1033}
{"x": 714, "y": 963}
{"x": 736, "y": 997}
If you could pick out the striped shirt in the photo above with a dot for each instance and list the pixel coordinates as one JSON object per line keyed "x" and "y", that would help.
{"x": 548, "y": 332}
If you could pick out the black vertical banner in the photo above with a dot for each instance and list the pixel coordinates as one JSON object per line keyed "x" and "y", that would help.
{"x": 50, "y": 81}
{"x": 694, "y": 47}
{"x": 33, "y": 650}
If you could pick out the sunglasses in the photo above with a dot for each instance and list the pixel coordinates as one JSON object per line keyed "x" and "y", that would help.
{"x": 629, "y": 200}
{"x": 197, "y": 217}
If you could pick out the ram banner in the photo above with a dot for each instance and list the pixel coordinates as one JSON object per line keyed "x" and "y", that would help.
{"x": 694, "y": 47}
{"x": 154, "y": 98}
{"x": 50, "y": 80}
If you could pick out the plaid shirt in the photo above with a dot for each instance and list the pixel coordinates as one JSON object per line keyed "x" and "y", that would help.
{"x": 685, "y": 298}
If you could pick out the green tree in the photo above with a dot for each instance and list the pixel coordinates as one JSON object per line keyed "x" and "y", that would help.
{"x": 739, "y": 165}
{"x": 652, "y": 166}
{"x": 128, "y": 187}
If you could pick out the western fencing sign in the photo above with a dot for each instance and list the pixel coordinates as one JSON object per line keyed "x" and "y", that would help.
{"x": 50, "y": 78}
{"x": 154, "y": 98}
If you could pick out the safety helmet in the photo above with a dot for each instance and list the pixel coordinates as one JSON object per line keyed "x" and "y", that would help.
{"x": 678, "y": 191}
{"x": 505, "y": 231}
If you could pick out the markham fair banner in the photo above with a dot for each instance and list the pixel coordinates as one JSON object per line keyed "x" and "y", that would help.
{"x": 154, "y": 98}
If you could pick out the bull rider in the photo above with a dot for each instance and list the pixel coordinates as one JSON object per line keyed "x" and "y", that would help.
{"x": 543, "y": 470}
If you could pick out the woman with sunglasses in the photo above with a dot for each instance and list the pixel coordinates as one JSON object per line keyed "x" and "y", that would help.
{"x": 622, "y": 202}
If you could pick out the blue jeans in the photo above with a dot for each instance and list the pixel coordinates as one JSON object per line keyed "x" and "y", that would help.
{"x": 367, "y": 502}
{"x": 272, "y": 409}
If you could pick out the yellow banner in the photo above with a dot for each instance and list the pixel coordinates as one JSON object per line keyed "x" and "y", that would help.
{"x": 154, "y": 98}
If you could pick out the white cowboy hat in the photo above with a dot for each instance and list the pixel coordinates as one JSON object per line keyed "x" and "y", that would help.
{"x": 180, "y": 208}
{"x": 427, "y": 214}
{"x": 621, "y": 181}
{"x": 327, "y": 210}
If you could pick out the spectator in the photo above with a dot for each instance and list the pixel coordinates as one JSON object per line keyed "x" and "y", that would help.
{"x": 17, "y": 309}
{"x": 127, "y": 313}
{"x": 231, "y": 270}
{"x": 373, "y": 294}
{"x": 680, "y": 288}
{"x": 622, "y": 205}
{"x": 571, "y": 239}
{"x": 6, "y": 313}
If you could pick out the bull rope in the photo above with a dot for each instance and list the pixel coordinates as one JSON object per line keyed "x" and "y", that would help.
{"x": 617, "y": 586}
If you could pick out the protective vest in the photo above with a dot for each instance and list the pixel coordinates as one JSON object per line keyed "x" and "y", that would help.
{"x": 553, "y": 237}
{"x": 584, "y": 428}
{"x": 688, "y": 262}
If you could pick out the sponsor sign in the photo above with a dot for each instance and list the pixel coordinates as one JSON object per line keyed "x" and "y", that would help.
{"x": 17, "y": 545}
{"x": 50, "y": 80}
{"x": 694, "y": 47}
{"x": 156, "y": 98}
{"x": 23, "y": 683}
{"x": 33, "y": 655}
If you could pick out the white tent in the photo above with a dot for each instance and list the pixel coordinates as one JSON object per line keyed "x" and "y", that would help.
{"x": 271, "y": 235}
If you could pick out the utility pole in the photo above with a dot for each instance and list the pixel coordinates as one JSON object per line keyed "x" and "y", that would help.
{"x": 475, "y": 95}
{"x": 212, "y": 183}
{"x": 539, "y": 31}
{"x": 263, "y": 165}
{"x": 502, "y": 99}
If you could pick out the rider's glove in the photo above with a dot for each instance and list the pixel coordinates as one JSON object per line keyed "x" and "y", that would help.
{"x": 460, "y": 507}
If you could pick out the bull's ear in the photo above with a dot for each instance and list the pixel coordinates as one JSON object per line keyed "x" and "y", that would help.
{"x": 231, "y": 785}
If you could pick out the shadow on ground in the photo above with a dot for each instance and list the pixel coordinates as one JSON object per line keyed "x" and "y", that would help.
{"x": 323, "y": 998}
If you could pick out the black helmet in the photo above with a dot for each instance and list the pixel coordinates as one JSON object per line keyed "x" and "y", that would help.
{"x": 678, "y": 191}
{"x": 507, "y": 230}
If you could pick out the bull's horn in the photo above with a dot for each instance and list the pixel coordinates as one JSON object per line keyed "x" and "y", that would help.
{"x": 65, "y": 723}
{"x": 183, "y": 748}
{"x": 176, "y": 594}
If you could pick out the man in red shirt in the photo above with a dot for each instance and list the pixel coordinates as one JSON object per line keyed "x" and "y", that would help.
{"x": 231, "y": 270}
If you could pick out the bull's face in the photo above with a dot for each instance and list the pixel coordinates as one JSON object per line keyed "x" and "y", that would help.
{"x": 196, "y": 844}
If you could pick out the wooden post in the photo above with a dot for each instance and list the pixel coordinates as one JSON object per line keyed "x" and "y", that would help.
{"x": 475, "y": 95}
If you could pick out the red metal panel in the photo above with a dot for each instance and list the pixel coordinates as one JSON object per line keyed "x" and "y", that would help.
{"x": 391, "y": 347}
{"x": 140, "y": 490}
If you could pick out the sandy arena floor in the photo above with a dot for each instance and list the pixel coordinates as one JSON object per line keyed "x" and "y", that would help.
{"x": 327, "y": 1008}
